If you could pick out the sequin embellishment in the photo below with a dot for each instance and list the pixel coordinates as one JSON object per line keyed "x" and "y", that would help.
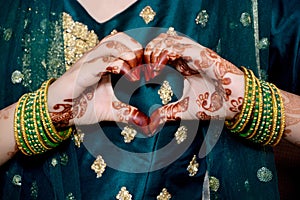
{"x": 193, "y": 167}
{"x": 129, "y": 133}
{"x": 16, "y": 77}
{"x": 124, "y": 194}
{"x": 99, "y": 166}
{"x": 77, "y": 39}
{"x": 165, "y": 92}
{"x": 264, "y": 174}
{"x": 164, "y": 195}
{"x": 181, "y": 134}
{"x": 147, "y": 14}
{"x": 17, "y": 180}
{"x": 245, "y": 19}
{"x": 78, "y": 138}
{"x": 214, "y": 183}
{"x": 263, "y": 43}
{"x": 202, "y": 18}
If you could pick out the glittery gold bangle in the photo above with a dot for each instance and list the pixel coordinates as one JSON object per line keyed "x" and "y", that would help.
{"x": 45, "y": 116}
{"x": 265, "y": 140}
{"x": 30, "y": 135}
{"x": 257, "y": 114}
{"x": 267, "y": 112}
{"x": 281, "y": 117}
{"x": 249, "y": 98}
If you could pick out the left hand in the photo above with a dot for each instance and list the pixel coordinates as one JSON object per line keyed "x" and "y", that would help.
{"x": 213, "y": 87}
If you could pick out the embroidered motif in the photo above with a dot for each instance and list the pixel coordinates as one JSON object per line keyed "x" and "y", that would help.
{"x": 171, "y": 31}
{"x": 99, "y": 166}
{"x": 245, "y": 19}
{"x": 193, "y": 167}
{"x": 77, "y": 40}
{"x": 202, "y": 18}
{"x": 264, "y": 174}
{"x": 263, "y": 43}
{"x": 64, "y": 158}
{"x": 147, "y": 14}
{"x": 124, "y": 194}
{"x": 54, "y": 162}
{"x": 181, "y": 134}
{"x": 17, "y": 180}
{"x": 70, "y": 196}
{"x": 164, "y": 195}
{"x": 16, "y": 77}
{"x": 78, "y": 138}
{"x": 165, "y": 92}
{"x": 214, "y": 183}
{"x": 7, "y": 33}
{"x": 34, "y": 190}
{"x": 129, "y": 133}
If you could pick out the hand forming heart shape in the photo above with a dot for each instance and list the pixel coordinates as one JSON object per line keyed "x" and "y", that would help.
{"x": 213, "y": 87}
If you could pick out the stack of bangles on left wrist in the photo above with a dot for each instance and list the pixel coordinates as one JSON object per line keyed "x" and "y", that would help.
{"x": 33, "y": 128}
{"x": 262, "y": 118}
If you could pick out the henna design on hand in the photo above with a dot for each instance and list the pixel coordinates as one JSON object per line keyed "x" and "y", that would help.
{"x": 72, "y": 108}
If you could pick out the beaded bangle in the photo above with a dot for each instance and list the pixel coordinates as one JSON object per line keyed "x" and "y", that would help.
{"x": 18, "y": 126}
{"x": 239, "y": 124}
{"x": 280, "y": 125}
{"x": 34, "y": 131}
{"x": 257, "y": 115}
{"x": 267, "y": 111}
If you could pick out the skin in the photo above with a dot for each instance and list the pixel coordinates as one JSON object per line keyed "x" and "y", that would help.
{"x": 213, "y": 88}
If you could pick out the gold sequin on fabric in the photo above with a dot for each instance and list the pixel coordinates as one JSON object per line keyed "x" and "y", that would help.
{"x": 99, "y": 166}
{"x": 264, "y": 174}
{"x": 17, "y": 77}
{"x": 34, "y": 190}
{"x": 147, "y": 14}
{"x": 263, "y": 43}
{"x": 214, "y": 183}
{"x": 17, "y": 180}
{"x": 78, "y": 137}
{"x": 128, "y": 133}
{"x": 77, "y": 40}
{"x": 193, "y": 166}
{"x": 42, "y": 48}
{"x": 124, "y": 194}
{"x": 245, "y": 19}
{"x": 202, "y": 18}
{"x": 171, "y": 31}
{"x": 164, "y": 195}
{"x": 181, "y": 134}
{"x": 7, "y": 33}
{"x": 165, "y": 92}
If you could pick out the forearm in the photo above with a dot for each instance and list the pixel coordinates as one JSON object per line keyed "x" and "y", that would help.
{"x": 8, "y": 146}
{"x": 292, "y": 114}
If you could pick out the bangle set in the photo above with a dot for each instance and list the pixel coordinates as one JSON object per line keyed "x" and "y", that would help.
{"x": 33, "y": 127}
{"x": 262, "y": 117}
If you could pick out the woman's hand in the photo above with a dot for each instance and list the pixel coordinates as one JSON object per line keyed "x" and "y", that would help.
{"x": 84, "y": 94}
{"x": 213, "y": 87}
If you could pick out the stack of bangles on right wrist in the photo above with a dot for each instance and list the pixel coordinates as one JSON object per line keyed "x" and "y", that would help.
{"x": 262, "y": 118}
{"x": 33, "y": 128}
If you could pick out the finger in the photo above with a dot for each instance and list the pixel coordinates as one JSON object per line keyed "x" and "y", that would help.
{"x": 149, "y": 49}
{"x": 169, "y": 112}
{"x": 128, "y": 114}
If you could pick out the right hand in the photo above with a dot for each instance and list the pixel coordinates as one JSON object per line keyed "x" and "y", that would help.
{"x": 84, "y": 94}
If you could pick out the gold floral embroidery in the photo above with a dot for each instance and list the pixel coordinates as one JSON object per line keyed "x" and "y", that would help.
{"x": 78, "y": 138}
{"x": 77, "y": 39}
{"x": 147, "y": 14}
{"x": 164, "y": 195}
{"x": 99, "y": 166}
{"x": 193, "y": 167}
{"x": 128, "y": 133}
{"x": 124, "y": 194}
{"x": 165, "y": 92}
{"x": 181, "y": 134}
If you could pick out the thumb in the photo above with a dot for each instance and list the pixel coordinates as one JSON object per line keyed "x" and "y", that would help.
{"x": 169, "y": 112}
{"x": 128, "y": 114}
